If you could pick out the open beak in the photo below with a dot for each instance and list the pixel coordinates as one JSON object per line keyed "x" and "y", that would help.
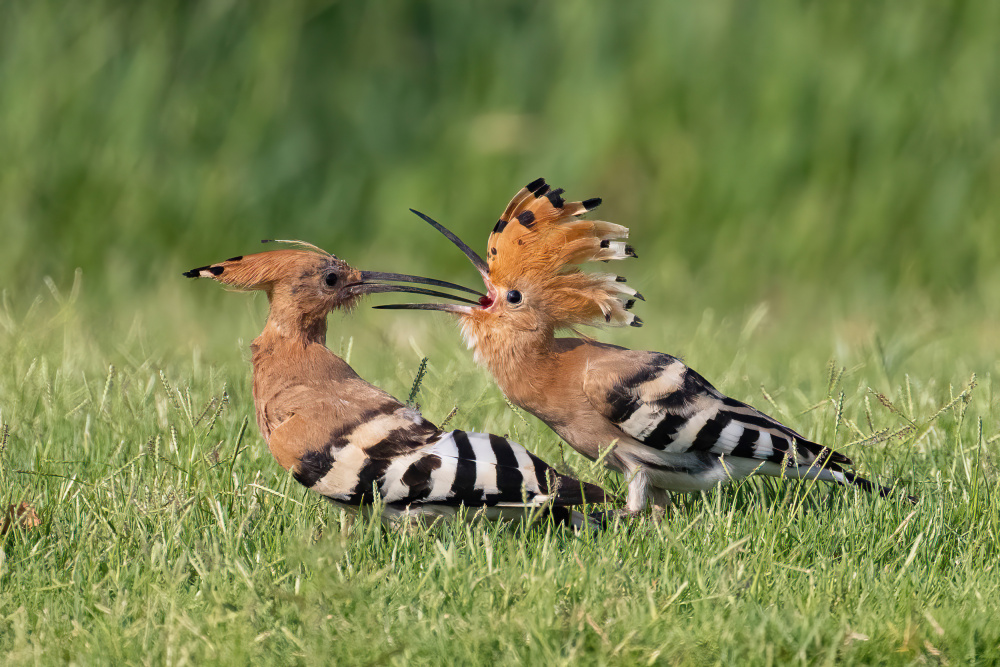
{"x": 376, "y": 282}
{"x": 476, "y": 260}
{"x": 378, "y": 278}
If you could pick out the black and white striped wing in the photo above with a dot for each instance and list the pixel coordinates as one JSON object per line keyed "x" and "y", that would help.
{"x": 477, "y": 469}
{"x": 408, "y": 461}
{"x": 657, "y": 400}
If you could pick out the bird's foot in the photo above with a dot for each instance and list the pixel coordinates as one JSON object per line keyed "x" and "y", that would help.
{"x": 608, "y": 517}
{"x": 658, "y": 512}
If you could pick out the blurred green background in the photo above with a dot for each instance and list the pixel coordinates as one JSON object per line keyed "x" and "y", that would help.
{"x": 828, "y": 168}
{"x": 812, "y": 190}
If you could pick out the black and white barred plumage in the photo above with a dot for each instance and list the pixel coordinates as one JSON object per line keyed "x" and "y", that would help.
{"x": 685, "y": 435}
{"x": 417, "y": 469}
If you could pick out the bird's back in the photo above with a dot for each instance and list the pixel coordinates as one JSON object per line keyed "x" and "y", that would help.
{"x": 658, "y": 401}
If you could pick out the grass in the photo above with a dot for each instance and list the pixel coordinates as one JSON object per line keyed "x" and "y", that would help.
{"x": 811, "y": 190}
{"x": 169, "y": 535}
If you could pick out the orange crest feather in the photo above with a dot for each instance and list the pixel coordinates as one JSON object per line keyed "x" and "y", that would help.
{"x": 258, "y": 271}
{"x": 542, "y": 238}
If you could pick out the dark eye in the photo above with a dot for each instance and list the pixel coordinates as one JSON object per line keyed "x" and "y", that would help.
{"x": 513, "y": 297}
{"x": 330, "y": 279}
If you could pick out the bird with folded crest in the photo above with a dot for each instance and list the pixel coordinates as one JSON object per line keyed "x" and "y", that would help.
{"x": 650, "y": 417}
{"x": 352, "y": 442}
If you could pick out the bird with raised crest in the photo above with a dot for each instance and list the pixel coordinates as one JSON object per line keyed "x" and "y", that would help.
{"x": 650, "y": 417}
{"x": 352, "y": 442}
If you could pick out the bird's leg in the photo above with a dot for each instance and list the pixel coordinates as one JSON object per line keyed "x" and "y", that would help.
{"x": 641, "y": 494}
{"x": 635, "y": 502}
{"x": 639, "y": 491}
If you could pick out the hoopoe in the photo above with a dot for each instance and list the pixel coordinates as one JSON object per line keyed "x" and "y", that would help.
{"x": 651, "y": 417}
{"x": 347, "y": 439}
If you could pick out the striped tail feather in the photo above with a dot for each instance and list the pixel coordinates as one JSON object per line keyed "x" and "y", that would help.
{"x": 848, "y": 478}
{"x": 832, "y": 472}
{"x": 569, "y": 491}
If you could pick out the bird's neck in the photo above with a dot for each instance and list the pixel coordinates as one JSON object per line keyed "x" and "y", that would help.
{"x": 292, "y": 368}
{"x": 293, "y": 324}
{"x": 520, "y": 362}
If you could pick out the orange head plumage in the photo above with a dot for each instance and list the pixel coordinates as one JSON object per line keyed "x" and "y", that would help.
{"x": 532, "y": 275}
{"x": 303, "y": 285}
{"x": 539, "y": 243}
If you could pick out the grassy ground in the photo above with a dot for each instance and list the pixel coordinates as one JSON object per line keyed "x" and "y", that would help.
{"x": 811, "y": 188}
{"x": 169, "y": 535}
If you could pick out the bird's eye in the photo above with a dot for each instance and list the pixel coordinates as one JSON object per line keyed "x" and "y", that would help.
{"x": 513, "y": 297}
{"x": 330, "y": 279}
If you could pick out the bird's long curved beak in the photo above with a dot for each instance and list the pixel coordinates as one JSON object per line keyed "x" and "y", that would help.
{"x": 375, "y": 288}
{"x": 477, "y": 262}
{"x": 377, "y": 282}
{"x": 446, "y": 307}
{"x": 380, "y": 277}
